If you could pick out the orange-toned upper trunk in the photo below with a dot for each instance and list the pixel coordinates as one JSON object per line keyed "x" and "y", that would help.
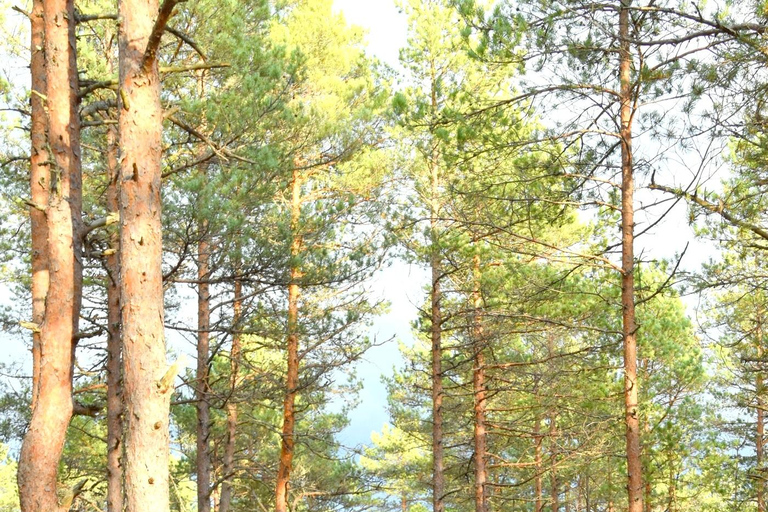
{"x": 145, "y": 390}
{"x": 288, "y": 442}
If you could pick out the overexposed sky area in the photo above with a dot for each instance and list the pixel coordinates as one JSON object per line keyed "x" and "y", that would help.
{"x": 384, "y": 24}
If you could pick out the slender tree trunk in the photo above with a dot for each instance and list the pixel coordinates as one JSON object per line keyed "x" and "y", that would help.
{"x": 234, "y": 369}
{"x": 114, "y": 344}
{"x": 554, "y": 490}
{"x": 554, "y": 486}
{"x": 44, "y": 441}
{"x": 672, "y": 485}
{"x": 39, "y": 179}
{"x": 760, "y": 430}
{"x": 539, "y": 465}
{"x": 292, "y": 338}
{"x": 629, "y": 327}
{"x": 202, "y": 388}
{"x": 436, "y": 318}
{"x": 147, "y": 382}
{"x": 478, "y": 385}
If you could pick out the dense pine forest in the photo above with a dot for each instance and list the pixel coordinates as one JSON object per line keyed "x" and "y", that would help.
{"x": 205, "y": 207}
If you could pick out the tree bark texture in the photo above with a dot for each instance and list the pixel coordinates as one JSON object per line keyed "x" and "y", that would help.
{"x": 292, "y": 340}
{"x": 147, "y": 382}
{"x": 54, "y": 354}
{"x": 114, "y": 343}
{"x": 39, "y": 179}
{"x": 202, "y": 387}
{"x": 629, "y": 326}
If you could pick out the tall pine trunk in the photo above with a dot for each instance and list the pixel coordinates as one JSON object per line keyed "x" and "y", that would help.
{"x": 147, "y": 383}
{"x": 292, "y": 340}
{"x": 629, "y": 326}
{"x": 436, "y": 321}
{"x": 53, "y": 354}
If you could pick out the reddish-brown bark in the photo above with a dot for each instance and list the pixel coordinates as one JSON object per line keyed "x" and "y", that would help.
{"x": 147, "y": 383}
{"x": 287, "y": 444}
{"x": 629, "y": 326}
{"x": 234, "y": 369}
{"x": 44, "y": 441}
{"x": 202, "y": 387}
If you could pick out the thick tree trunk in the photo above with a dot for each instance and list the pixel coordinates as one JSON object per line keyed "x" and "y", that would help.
{"x": 478, "y": 386}
{"x": 629, "y": 327}
{"x": 54, "y": 354}
{"x": 147, "y": 382}
{"x": 202, "y": 388}
{"x": 234, "y": 369}
{"x": 292, "y": 339}
{"x": 39, "y": 179}
{"x": 114, "y": 344}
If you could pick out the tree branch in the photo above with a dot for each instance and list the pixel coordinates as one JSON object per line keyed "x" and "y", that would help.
{"x": 150, "y": 54}
{"x": 718, "y": 208}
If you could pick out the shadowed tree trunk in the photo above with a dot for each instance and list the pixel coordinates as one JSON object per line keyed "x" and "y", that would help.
{"x": 114, "y": 344}
{"x": 629, "y": 326}
{"x": 54, "y": 351}
{"x": 147, "y": 382}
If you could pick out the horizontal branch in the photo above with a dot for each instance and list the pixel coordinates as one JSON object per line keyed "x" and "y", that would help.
{"x": 717, "y": 208}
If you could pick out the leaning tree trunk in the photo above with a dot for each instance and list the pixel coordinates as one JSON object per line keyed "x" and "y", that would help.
{"x": 629, "y": 326}
{"x": 147, "y": 385}
{"x": 292, "y": 373}
{"x": 54, "y": 352}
